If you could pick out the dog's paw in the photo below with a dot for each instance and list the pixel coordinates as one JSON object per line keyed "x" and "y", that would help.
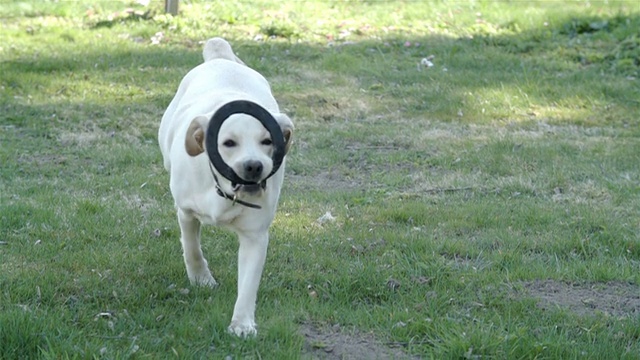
{"x": 242, "y": 330}
{"x": 203, "y": 280}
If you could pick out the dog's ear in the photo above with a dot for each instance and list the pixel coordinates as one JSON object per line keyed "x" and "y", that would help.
{"x": 194, "y": 140}
{"x": 287, "y": 129}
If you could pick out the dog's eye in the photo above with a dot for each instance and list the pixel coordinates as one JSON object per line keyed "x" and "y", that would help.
{"x": 266, "y": 142}
{"x": 229, "y": 143}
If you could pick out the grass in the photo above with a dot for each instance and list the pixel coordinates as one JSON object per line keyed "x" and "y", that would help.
{"x": 514, "y": 158}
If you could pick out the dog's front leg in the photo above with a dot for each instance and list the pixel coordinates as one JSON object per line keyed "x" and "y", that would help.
{"x": 197, "y": 267}
{"x": 251, "y": 258}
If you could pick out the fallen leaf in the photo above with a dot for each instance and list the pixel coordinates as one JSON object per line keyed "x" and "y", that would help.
{"x": 393, "y": 284}
{"x": 327, "y": 217}
{"x": 423, "y": 280}
{"x": 104, "y": 315}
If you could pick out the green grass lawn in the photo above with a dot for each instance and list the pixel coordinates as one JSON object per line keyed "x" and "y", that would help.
{"x": 462, "y": 193}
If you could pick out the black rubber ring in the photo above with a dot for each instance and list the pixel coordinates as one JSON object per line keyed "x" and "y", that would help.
{"x": 262, "y": 115}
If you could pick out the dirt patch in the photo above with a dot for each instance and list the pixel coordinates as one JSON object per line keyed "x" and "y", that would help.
{"x": 617, "y": 299}
{"x": 42, "y": 159}
{"x": 331, "y": 343}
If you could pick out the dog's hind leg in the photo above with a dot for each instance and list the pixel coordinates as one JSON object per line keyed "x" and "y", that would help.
{"x": 251, "y": 258}
{"x": 197, "y": 267}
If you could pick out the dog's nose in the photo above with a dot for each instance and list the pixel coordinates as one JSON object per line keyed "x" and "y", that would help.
{"x": 252, "y": 170}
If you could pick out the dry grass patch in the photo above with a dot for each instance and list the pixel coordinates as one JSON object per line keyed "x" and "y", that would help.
{"x": 617, "y": 299}
{"x": 336, "y": 343}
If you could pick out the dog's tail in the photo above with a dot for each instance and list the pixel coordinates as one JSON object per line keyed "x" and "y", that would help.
{"x": 218, "y": 48}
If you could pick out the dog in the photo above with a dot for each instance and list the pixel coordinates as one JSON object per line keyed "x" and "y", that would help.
{"x": 202, "y": 194}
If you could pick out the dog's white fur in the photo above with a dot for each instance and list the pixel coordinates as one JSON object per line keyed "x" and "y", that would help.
{"x": 222, "y": 78}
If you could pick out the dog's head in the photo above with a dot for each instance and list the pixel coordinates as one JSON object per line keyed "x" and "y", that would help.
{"x": 243, "y": 143}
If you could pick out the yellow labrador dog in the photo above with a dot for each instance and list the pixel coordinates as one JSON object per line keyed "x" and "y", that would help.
{"x": 226, "y": 164}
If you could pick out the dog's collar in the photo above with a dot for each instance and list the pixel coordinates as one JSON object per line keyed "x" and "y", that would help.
{"x": 234, "y": 197}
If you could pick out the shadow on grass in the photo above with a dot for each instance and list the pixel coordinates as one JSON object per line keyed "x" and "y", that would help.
{"x": 581, "y": 71}
{"x": 584, "y": 70}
